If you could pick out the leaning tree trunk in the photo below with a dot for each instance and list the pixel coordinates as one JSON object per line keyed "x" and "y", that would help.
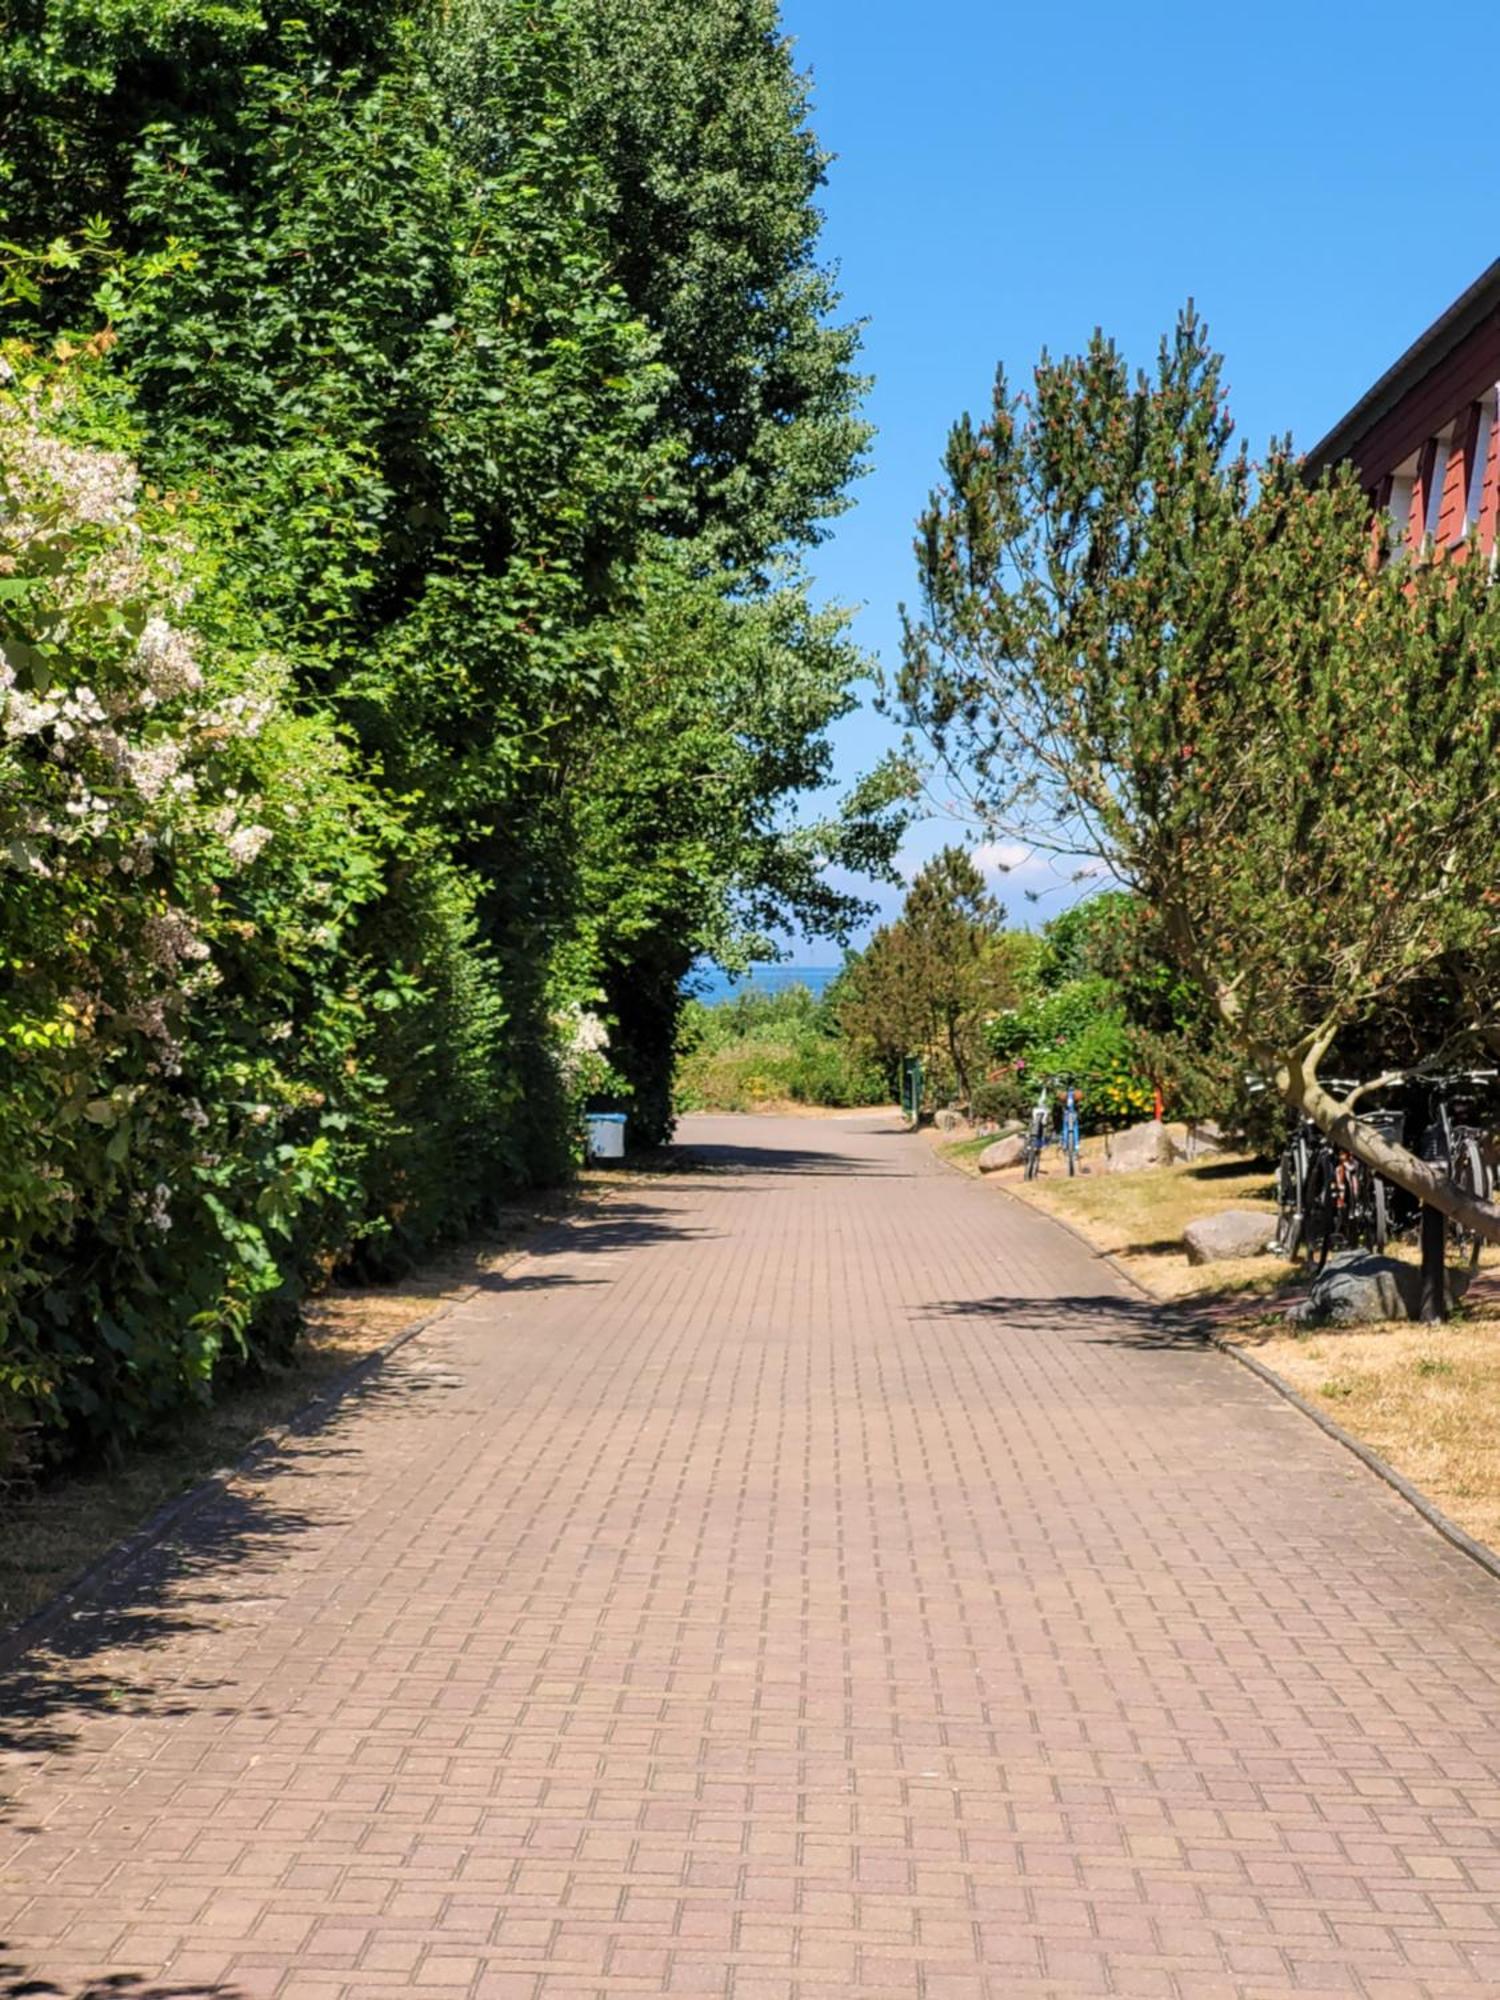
{"x": 1433, "y": 1189}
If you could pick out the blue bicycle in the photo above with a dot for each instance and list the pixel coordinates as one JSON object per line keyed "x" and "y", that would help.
{"x": 1071, "y": 1135}
{"x": 1039, "y": 1136}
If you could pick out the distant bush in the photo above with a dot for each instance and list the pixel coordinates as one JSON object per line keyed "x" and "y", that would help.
{"x": 1004, "y": 1096}
{"x": 1079, "y": 1030}
{"x": 760, "y": 1048}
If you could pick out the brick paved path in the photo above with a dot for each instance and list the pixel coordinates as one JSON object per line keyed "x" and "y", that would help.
{"x": 810, "y": 1579}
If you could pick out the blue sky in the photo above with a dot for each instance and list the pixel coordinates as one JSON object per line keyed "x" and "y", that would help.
{"x": 1008, "y": 178}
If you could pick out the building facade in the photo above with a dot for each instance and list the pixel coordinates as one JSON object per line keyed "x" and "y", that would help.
{"x": 1425, "y": 440}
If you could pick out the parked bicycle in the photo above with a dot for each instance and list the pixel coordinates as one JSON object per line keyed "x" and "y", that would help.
{"x": 1328, "y": 1200}
{"x": 1348, "y": 1204}
{"x": 1455, "y": 1143}
{"x": 1039, "y": 1132}
{"x": 1072, "y": 1131}
{"x": 1293, "y": 1183}
{"x": 1325, "y": 1197}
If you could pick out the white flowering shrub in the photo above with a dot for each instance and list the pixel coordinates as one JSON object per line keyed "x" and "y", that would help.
{"x": 588, "y": 1079}
{"x": 206, "y": 980}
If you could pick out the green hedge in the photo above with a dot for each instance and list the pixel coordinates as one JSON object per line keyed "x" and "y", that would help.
{"x": 247, "y": 1021}
{"x": 376, "y": 762}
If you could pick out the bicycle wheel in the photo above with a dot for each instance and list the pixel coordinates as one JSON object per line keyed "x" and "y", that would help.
{"x": 1319, "y": 1212}
{"x": 1379, "y": 1216}
{"x": 1289, "y": 1216}
{"x": 1033, "y": 1158}
{"x": 1070, "y": 1147}
{"x": 1473, "y": 1176}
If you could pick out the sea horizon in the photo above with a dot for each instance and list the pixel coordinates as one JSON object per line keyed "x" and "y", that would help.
{"x": 713, "y": 986}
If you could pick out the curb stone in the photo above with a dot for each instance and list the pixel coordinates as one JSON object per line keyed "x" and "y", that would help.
{"x": 1478, "y": 1552}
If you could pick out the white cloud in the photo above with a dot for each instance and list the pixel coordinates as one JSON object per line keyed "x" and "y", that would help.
{"x": 999, "y": 857}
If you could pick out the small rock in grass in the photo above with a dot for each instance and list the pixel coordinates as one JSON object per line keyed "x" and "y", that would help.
{"x": 1203, "y": 1138}
{"x": 1148, "y": 1145}
{"x": 1235, "y": 1232}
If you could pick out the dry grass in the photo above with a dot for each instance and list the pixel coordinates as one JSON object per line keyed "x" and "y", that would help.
{"x": 51, "y": 1533}
{"x": 1426, "y": 1398}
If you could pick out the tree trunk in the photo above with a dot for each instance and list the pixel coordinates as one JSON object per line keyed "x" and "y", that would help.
{"x": 1434, "y": 1304}
{"x": 959, "y": 1069}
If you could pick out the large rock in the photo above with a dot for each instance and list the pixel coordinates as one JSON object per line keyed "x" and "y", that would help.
{"x": 1236, "y": 1232}
{"x": 1148, "y": 1145}
{"x": 1004, "y": 1153}
{"x": 1202, "y": 1139}
{"x": 949, "y": 1121}
{"x": 1355, "y": 1287}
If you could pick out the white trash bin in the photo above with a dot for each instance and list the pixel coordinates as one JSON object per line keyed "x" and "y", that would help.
{"x": 606, "y": 1135}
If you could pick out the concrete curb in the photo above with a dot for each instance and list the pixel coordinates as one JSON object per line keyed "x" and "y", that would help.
{"x": 1487, "y": 1558}
{"x": 1477, "y": 1552}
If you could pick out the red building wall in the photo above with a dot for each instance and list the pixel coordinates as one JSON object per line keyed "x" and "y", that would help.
{"x": 1426, "y": 441}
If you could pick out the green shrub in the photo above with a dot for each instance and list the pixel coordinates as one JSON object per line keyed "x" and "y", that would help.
{"x": 763, "y": 1047}
{"x": 1077, "y": 1030}
{"x": 244, "y": 1022}
{"x": 1001, "y": 1097}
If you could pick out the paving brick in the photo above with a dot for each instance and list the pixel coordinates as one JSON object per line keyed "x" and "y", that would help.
{"x": 810, "y": 1576}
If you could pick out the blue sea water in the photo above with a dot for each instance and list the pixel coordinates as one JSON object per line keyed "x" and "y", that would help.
{"x": 713, "y": 987}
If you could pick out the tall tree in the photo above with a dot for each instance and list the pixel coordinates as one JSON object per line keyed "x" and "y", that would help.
{"x": 689, "y": 838}
{"x": 1135, "y": 645}
{"x": 926, "y": 983}
{"x": 699, "y": 121}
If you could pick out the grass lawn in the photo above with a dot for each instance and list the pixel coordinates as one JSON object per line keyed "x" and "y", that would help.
{"x": 965, "y": 1152}
{"x": 1426, "y": 1398}
{"x": 51, "y": 1532}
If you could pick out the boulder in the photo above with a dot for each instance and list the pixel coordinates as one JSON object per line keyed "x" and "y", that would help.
{"x": 949, "y": 1121}
{"x": 1004, "y": 1153}
{"x": 1202, "y": 1139}
{"x": 1148, "y": 1145}
{"x": 1235, "y": 1232}
{"x": 1355, "y": 1286}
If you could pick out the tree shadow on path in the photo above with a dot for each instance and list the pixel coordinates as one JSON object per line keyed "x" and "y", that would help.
{"x": 703, "y": 1156}
{"x": 21, "y": 1982}
{"x": 1109, "y": 1319}
{"x": 620, "y": 1225}
{"x": 104, "y": 1650}
{"x": 97, "y": 1659}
